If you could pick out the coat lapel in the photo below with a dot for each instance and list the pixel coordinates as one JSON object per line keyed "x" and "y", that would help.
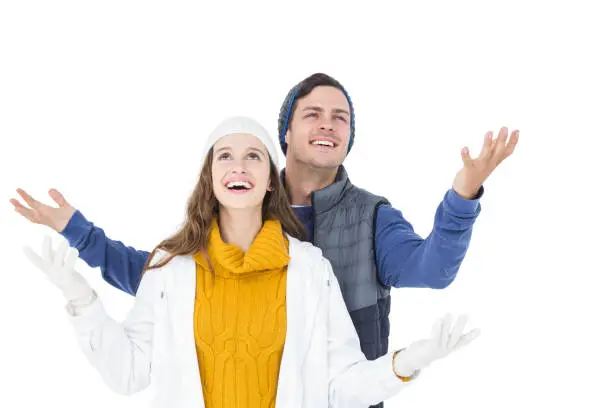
{"x": 184, "y": 288}
{"x": 303, "y": 295}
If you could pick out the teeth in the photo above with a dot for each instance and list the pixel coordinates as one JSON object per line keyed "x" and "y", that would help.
{"x": 244, "y": 184}
{"x": 323, "y": 143}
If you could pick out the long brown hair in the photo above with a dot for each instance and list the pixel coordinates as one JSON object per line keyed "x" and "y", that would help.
{"x": 203, "y": 207}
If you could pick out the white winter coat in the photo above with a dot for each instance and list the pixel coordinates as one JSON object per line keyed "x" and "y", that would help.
{"x": 322, "y": 363}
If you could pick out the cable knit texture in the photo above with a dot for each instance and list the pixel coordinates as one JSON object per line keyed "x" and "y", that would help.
{"x": 240, "y": 318}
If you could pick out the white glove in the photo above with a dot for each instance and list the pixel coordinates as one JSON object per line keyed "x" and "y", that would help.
{"x": 60, "y": 271}
{"x": 442, "y": 342}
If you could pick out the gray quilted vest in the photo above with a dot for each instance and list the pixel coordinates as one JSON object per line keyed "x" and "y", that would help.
{"x": 344, "y": 229}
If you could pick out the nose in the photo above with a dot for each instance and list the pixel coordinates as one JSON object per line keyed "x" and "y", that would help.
{"x": 239, "y": 166}
{"x": 326, "y": 125}
{"x": 239, "y": 169}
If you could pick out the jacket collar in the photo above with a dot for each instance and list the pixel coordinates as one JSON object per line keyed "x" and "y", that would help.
{"x": 328, "y": 197}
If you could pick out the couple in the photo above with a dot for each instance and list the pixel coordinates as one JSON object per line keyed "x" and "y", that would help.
{"x": 235, "y": 308}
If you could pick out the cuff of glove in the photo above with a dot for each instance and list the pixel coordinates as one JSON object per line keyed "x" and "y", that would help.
{"x": 403, "y": 378}
{"x": 77, "y": 307}
{"x": 87, "y": 317}
{"x": 388, "y": 379}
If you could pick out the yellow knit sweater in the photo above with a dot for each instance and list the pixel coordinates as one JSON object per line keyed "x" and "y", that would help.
{"x": 240, "y": 318}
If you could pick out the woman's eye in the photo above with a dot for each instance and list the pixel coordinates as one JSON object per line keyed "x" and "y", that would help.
{"x": 224, "y": 156}
{"x": 254, "y": 156}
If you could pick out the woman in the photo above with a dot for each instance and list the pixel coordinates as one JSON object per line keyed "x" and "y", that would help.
{"x": 235, "y": 310}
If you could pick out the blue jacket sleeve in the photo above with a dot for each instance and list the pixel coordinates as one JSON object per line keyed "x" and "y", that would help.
{"x": 121, "y": 265}
{"x": 405, "y": 259}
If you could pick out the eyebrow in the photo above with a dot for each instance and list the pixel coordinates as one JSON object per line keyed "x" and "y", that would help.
{"x": 229, "y": 148}
{"x": 318, "y": 109}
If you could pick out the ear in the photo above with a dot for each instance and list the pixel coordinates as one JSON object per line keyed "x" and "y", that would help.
{"x": 288, "y": 136}
{"x": 269, "y": 186}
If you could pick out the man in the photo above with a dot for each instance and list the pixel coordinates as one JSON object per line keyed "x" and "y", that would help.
{"x": 369, "y": 244}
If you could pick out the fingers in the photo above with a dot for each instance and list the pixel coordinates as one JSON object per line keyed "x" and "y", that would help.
{"x": 47, "y": 251}
{"x": 60, "y": 254}
{"x": 73, "y": 254}
{"x": 27, "y": 213}
{"x": 29, "y": 200}
{"x": 503, "y": 149}
{"x": 465, "y": 156}
{"x": 457, "y": 330}
{"x": 58, "y": 198}
{"x": 487, "y": 146}
{"x": 467, "y": 338}
{"x": 35, "y": 258}
{"x": 446, "y": 325}
{"x": 500, "y": 145}
{"x": 436, "y": 330}
{"x": 451, "y": 338}
{"x": 511, "y": 143}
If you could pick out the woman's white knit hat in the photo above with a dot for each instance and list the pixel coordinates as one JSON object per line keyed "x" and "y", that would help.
{"x": 243, "y": 124}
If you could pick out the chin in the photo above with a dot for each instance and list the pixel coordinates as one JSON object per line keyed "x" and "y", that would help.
{"x": 324, "y": 163}
{"x": 233, "y": 204}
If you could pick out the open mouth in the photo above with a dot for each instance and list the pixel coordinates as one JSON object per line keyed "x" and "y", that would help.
{"x": 238, "y": 187}
{"x": 323, "y": 144}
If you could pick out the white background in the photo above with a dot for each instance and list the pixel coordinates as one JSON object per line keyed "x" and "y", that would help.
{"x": 110, "y": 103}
